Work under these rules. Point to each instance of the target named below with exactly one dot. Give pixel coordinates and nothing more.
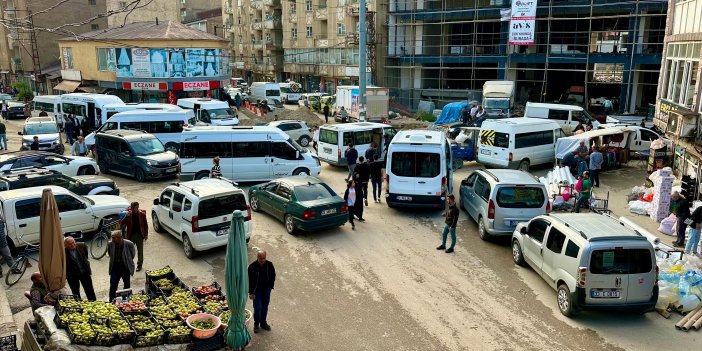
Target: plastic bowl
(203, 333)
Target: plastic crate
(59, 319)
(142, 340)
(79, 340)
(178, 339)
(64, 309)
(103, 338)
(214, 343)
(177, 283)
(170, 275)
(8, 343)
(123, 337)
(167, 313)
(217, 291)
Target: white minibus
(418, 169)
(210, 111)
(245, 153)
(87, 106)
(51, 104)
(567, 116)
(265, 91)
(334, 138)
(290, 92)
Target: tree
(24, 91)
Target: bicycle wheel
(16, 271)
(98, 246)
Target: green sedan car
(301, 202)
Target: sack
(667, 225)
(579, 185)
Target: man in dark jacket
(682, 213)
(121, 266)
(362, 177)
(78, 268)
(351, 158)
(451, 222)
(261, 282)
(137, 230)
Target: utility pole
(362, 61)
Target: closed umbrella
(236, 284)
(52, 260)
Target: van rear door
(428, 168)
(616, 272)
(494, 148)
(402, 171)
(518, 203)
(328, 148)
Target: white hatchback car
(296, 130)
(199, 213)
(68, 165)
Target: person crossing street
(450, 224)
(261, 283)
(137, 230)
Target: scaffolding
(445, 50)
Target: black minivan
(135, 154)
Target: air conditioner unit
(682, 124)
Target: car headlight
(150, 163)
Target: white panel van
(210, 111)
(568, 116)
(88, 107)
(418, 169)
(246, 153)
(51, 104)
(265, 91)
(334, 138)
(517, 143)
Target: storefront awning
(67, 86)
(93, 89)
(53, 75)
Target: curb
(7, 322)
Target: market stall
(613, 142)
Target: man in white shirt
(315, 138)
(473, 111)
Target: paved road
(385, 287)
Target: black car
(81, 185)
(15, 111)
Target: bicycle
(22, 261)
(98, 245)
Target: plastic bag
(579, 185)
(688, 303)
(667, 225)
(566, 194)
(647, 197)
(639, 207)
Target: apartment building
(164, 10)
(679, 103)
(441, 50)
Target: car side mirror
(85, 206)
(524, 231)
(156, 202)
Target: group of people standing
(474, 113)
(680, 206)
(362, 170)
(587, 164)
(74, 127)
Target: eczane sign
(193, 86)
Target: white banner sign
(523, 23)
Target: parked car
(296, 130)
(135, 154)
(199, 212)
(68, 165)
(593, 261)
(301, 202)
(15, 110)
(46, 130)
(327, 101)
(497, 200)
(20, 209)
(82, 185)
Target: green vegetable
(205, 324)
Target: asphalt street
(385, 287)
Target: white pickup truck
(20, 210)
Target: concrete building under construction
(440, 50)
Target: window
(165, 200)
(412, 164)
(92, 2)
(293, 33)
(560, 115)
(271, 187)
(555, 240)
(177, 201)
(362, 137)
(206, 150)
(498, 139)
(187, 205)
(78, 110)
(67, 62)
(482, 188)
(221, 205)
(309, 32)
(94, 26)
(284, 151)
(33, 161)
(122, 4)
(312, 192)
(67, 203)
(648, 135)
(284, 191)
(27, 208)
(340, 29)
(623, 261)
(308, 5)
(106, 59)
(572, 249)
(520, 197)
(328, 136)
(523, 140)
(293, 8)
(250, 149)
(537, 229)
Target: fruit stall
(166, 315)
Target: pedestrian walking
(465, 114)
(358, 204)
(27, 112)
(607, 105)
(596, 161)
(5, 109)
(78, 268)
(137, 230)
(370, 152)
(681, 209)
(216, 170)
(584, 192)
(35, 143)
(326, 113)
(68, 126)
(5, 254)
(79, 148)
(306, 102)
(450, 224)
(78, 127)
(261, 282)
(3, 136)
(237, 100)
(121, 252)
(694, 238)
(377, 168)
(344, 114)
(362, 177)
(351, 155)
(350, 198)
(315, 138)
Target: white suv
(296, 130)
(199, 213)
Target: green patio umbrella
(236, 284)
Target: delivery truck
(498, 97)
(377, 103)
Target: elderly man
(137, 230)
(78, 268)
(121, 252)
(681, 210)
(261, 282)
(38, 292)
(79, 148)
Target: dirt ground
(300, 114)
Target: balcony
(352, 10)
(228, 10)
(320, 14)
(273, 24)
(258, 46)
(257, 25)
(274, 45)
(257, 4)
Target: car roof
(431, 137)
(520, 121)
(16, 154)
(33, 191)
(39, 120)
(512, 176)
(243, 129)
(356, 125)
(126, 134)
(206, 187)
(25, 172)
(299, 180)
(597, 227)
(555, 106)
(275, 123)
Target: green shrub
(425, 116)
(24, 91)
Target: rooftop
(166, 30)
(512, 176)
(593, 225)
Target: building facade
(441, 50)
(679, 102)
(145, 62)
(164, 10)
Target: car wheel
(565, 300)
(188, 247)
(202, 175)
(87, 170)
(524, 165)
(139, 175)
(481, 229)
(290, 225)
(304, 141)
(103, 167)
(516, 253)
(301, 171)
(60, 150)
(254, 204)
(157, 224)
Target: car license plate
(404, 198)
(329, 211)
(172, 170)
(605, 293)
(511, 223)
(327, 150)
(223, 231)
(485, 152)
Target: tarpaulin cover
(451, 112)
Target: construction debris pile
(680, 288)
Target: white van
(265, 91)
(517, 142)
(112, 109)
(418, 169)
(245, 153)
(568, 116)
(87, 106)
(51, 104)
(166, 125)
(210, 111)
(290, 92)
(334, 138)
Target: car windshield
(416, 164)
(311, 192)
(149, 146)
(220, 113)
(496, 104)
(520, 197)
(297, 146)
(621, 261)
(221, 205)
(40, 128)
(273, 92)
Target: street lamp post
(362, 61)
